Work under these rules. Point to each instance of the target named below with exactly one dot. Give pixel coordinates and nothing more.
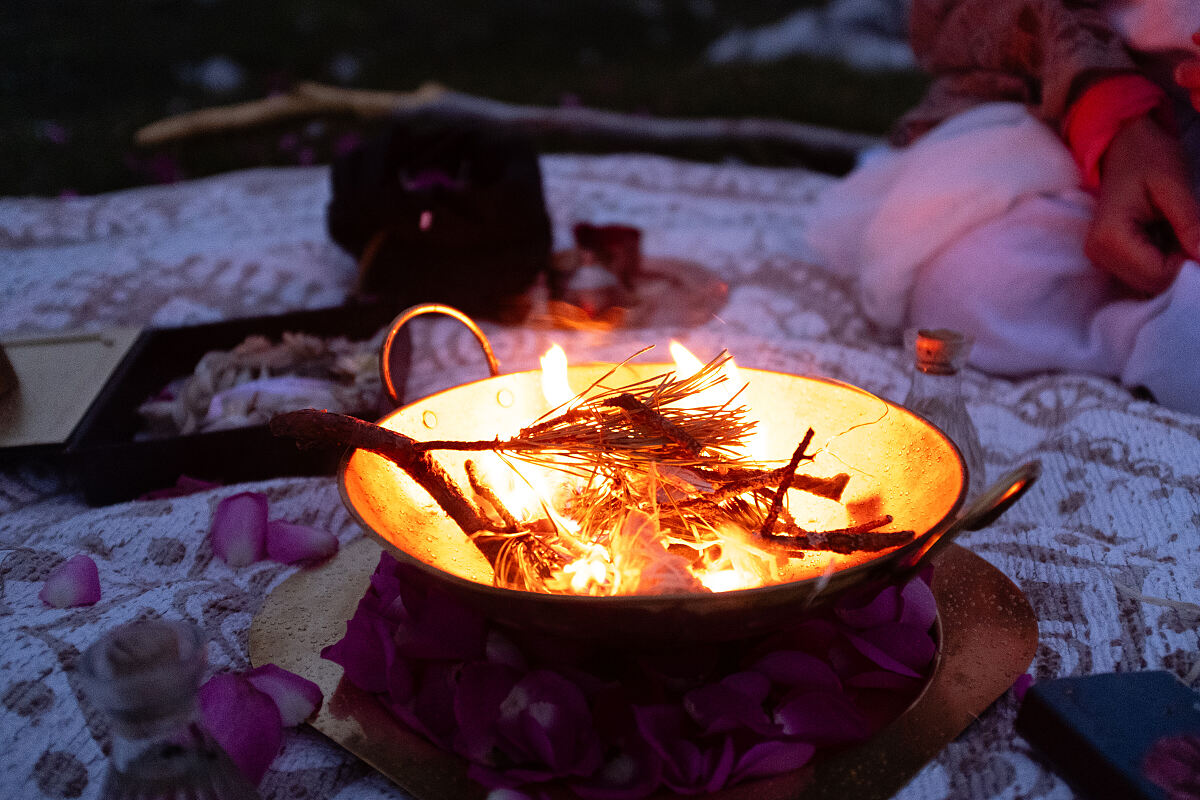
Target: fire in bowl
(898, 464)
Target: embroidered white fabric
(1115, 517)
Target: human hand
(1147, 221)
(1187, 74)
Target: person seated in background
(1042, 198)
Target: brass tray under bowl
(989, 635)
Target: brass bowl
(899, 463)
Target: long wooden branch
(308, 98)
(325, 427)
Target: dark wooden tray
(111, 465)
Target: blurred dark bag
(444, 212)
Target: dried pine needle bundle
(654, 492)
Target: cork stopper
(938, 351)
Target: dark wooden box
(111, 465)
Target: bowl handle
(980, 512)
(396, 395)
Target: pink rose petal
(545, 722)
(482, 687)
(431, 710)
(880, 656)
(244, 721)
(735, 702)
(688, 768)
(793, 668)
(920, 606)
(365, 652)
(239, 529)
(1021, 686)
(867, 611)
(509, 794)
(437, 626)
(821, 718)
(771, 758)
(297, 698)
(74, 582)
(1173, 764)
(911, 646)
(719, 765)
(630, 773)
(289, 542)
(499, 649)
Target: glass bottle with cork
(936, 393)
(145, 677)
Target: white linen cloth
(979, 226)
(1106, 545)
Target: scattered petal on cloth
(1021, 686)
(297, 698)
(244, 721)
(239, 529)
(291, 542)
(1173, 764)
(74, 582)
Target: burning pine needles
(656, 492)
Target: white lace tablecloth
(1106, 545)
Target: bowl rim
(853, 576)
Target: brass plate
(989, 635)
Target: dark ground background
(79, 77)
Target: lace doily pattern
(1106, 545)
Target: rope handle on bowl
(385, 353)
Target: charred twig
(654, 422)
(325, 427)
(788, 476)
(853, 539)
(489, 494)
(747, 480)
